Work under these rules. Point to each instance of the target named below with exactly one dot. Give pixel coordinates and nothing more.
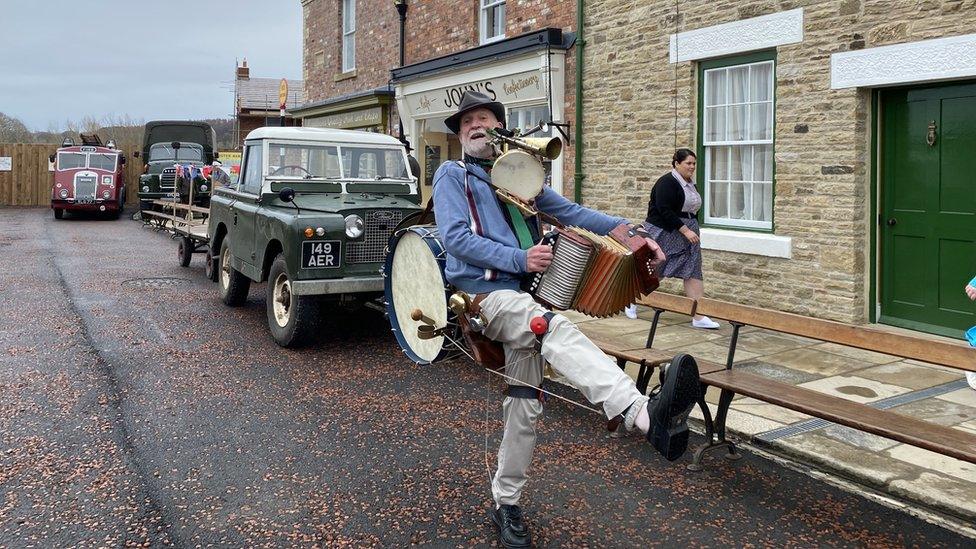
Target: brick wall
(822, 148)
(377, 47)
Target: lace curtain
(738, 140)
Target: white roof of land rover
(322, 134)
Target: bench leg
(714, 432)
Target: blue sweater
(483, 253)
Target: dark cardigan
(667, 200)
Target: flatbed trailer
(186, 223)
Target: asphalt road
(136, 409)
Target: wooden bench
(648, 359)
(930, 436)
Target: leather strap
(522, 391)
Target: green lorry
(311, 214)
(174, 154)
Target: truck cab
(311, 214)
(174, 153)
(88, 177)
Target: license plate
(87, 200)
(320, 254)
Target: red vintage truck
(88, 177)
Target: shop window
(348, 35)
(492, 20)
(526, 118)
(735, 163)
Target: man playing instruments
(490, 247)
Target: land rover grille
(85, 187)
(167, 179)
(379, 227)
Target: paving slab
(935, 410)
(937, 462)
(906, 374)
(938, 491)
(855, 388)
(814, 361)
(858, 438)
(965, 396)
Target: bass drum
(414, 279)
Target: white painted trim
(922, 61)
(757, 33)
(744, 242)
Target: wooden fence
(28, 183)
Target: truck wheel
(212, 269)
(233, 285)
(185, 251)
(291, 318)
(58, 213)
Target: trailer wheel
(233, 285)
(58, 213)
(292, 318)
(212, 269)
(185, 251)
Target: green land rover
(166, 144)
(310, 214)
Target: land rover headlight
(203, 188)
(106, 194)
(354, 226)
(145, 188)
(63, 193)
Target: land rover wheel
(58, 213)
(291, 318)
(185, 251)
(233, 285)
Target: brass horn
(547, 147)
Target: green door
(928, 207)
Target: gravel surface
(136, 409)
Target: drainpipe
(578, 156)
(401, 7)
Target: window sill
(747, 242)
(345, 76)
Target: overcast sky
(149, 59)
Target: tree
(13, 130)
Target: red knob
(539, 325)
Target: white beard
(479, 150)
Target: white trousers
(571, 355)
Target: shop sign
(516, 87)
(351, 119)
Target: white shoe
(971, 378)
(631, 311)
(705, 323)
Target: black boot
(512, 531)
(669, 407)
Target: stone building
(514, 50)
(256, 102)
(836, 145)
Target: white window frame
(487, 7)
(706, 145)
(348, 35)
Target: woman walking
(672, 222)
